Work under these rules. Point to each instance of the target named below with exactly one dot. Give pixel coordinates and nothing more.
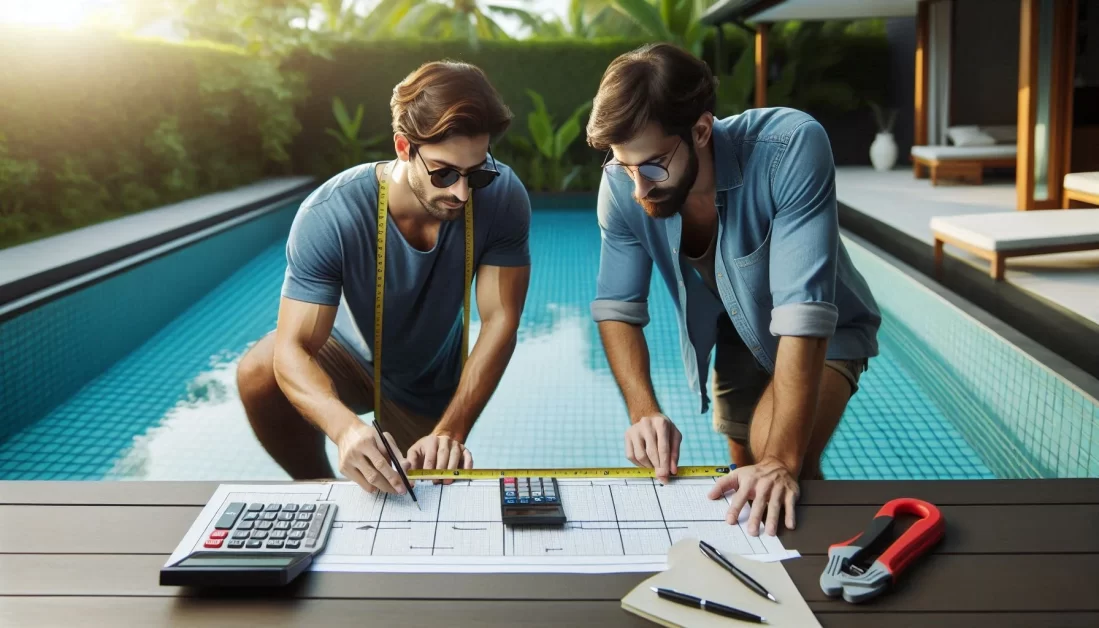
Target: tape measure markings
(379, 284)
(584, 473)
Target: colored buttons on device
(214, 543)
(219, 534)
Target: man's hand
(770, 485)
(654, 442)
(439, 451)
(363, 459)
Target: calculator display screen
(239, 561)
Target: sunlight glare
(50, 13)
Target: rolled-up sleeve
(625, 267)
(805, 236)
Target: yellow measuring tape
(579, 473)
(379, 284)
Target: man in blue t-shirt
(314, 374)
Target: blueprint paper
(614, 525)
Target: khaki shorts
(355, 388)
(739, 381)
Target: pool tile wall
(1021, 417)
(47, 354)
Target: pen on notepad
(687, 599)
(397, 463)
(714, 555)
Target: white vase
(883, 152)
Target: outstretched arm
(501, 294)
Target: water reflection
(551, 408)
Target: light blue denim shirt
(781, 268)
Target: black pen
(712, 607)
(396, 463)
(716, 556)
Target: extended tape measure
(379, 283)
(580, 473)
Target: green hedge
(95, 126)
(835, 67)
(565, 73)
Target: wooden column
(761, 64)
(1064, 66)
(923, 33)
(1027, 97)
(1059, 126)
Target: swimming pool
(935, 404)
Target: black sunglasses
(447, 176)
(652, 171)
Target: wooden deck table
(1016, 553)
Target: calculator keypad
(529, 491)
(268, 526)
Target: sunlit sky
(75, 13)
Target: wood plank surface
(94, 529)
(1016, 553)
(813, 492)
(830, 492)
(111, 612)
(970, 529)
(966, 584)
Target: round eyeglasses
(651, 171)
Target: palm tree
(454, 19)
(675, 21)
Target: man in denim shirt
(739, 217)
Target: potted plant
(883, 151)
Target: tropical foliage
(96, 126)
(548, 145)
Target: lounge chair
(999, 235)
(1082, 187)
(973, 149)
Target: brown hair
(442, 99)
(659, 83)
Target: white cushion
(1003, 134)
(969, 136)
(1006, 231)
(998, 151)
(1086, 182)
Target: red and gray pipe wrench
(841, 575)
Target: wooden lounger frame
(997, 258)
(965, 168)
(1082, 197)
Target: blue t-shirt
(331, 257)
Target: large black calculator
(255, 544)
(531, 501)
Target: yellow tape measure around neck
(379, 283)
(573, 473)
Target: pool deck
(896, 198)
(43, 264)
(1016, 553)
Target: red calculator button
(219, 534)
(215, 543)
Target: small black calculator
(531, 501)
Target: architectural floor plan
(614, 525)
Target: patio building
(1004, 118)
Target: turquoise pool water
(168, 409)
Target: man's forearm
(311, 391)
(483, 370)
(628, 355)
(795, 388)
